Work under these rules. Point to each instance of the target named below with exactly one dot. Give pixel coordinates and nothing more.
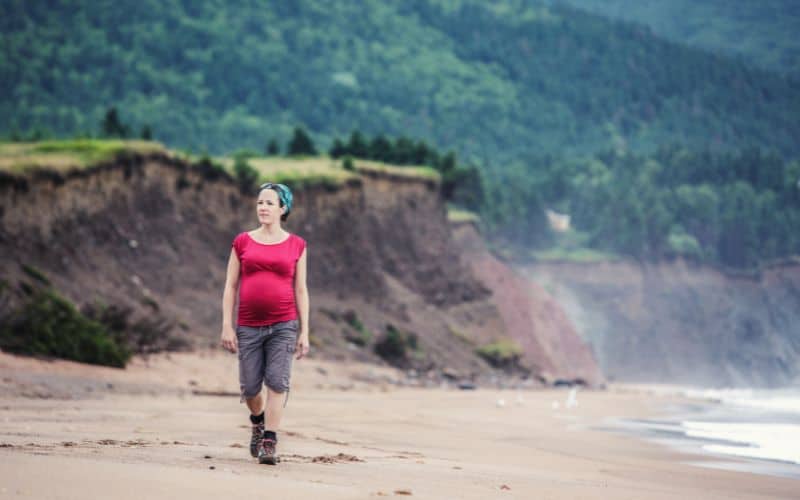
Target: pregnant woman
(267, 267)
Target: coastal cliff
(532, 317)
(683, 323)
(152, 233)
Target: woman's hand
(228, 338)
(302, 345)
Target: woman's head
(274, 200)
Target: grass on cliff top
(19, 158)
(574, 255)
(461, 215)
(418, 172)
(314, 170)
(573, 246)
(61, 155)
(301, 171)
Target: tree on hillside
(147, 133)
(357, 146)
(112, 126)
(469, 188)
(337, 149)
(403, 151)
(273, 148)
(423, 155)
(300, 144)
(380, 149)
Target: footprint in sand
(323, 459)
(331, 441)
(332, 459)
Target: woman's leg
(251, 368)
(256, 404)
(274, 409)
(279, 350)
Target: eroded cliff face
(154, 234)
(531, 317)
(681, 323)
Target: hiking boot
(266, 452)
(255, 439)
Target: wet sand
(155, 431)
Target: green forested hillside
(737, 210)
(493, 81)
(703, 147)
(764, 32)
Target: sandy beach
(173, 427)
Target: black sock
(257, 419)
(271, 435)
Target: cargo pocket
(287, 370)
(290, 348)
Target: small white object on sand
(501, 403)
(571, 398)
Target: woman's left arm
(301, 299)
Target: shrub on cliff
(395, 346)
(363, 335)
(49, 325)
(501, 353)
(347, 163)
(145, 335)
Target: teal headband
(284, 193)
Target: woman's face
(268, 207)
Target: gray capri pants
(265, 356)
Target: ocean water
(754, 430)
(754, 423)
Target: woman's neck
(270, 230)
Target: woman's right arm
(228, 336)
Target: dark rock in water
(467, 386)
